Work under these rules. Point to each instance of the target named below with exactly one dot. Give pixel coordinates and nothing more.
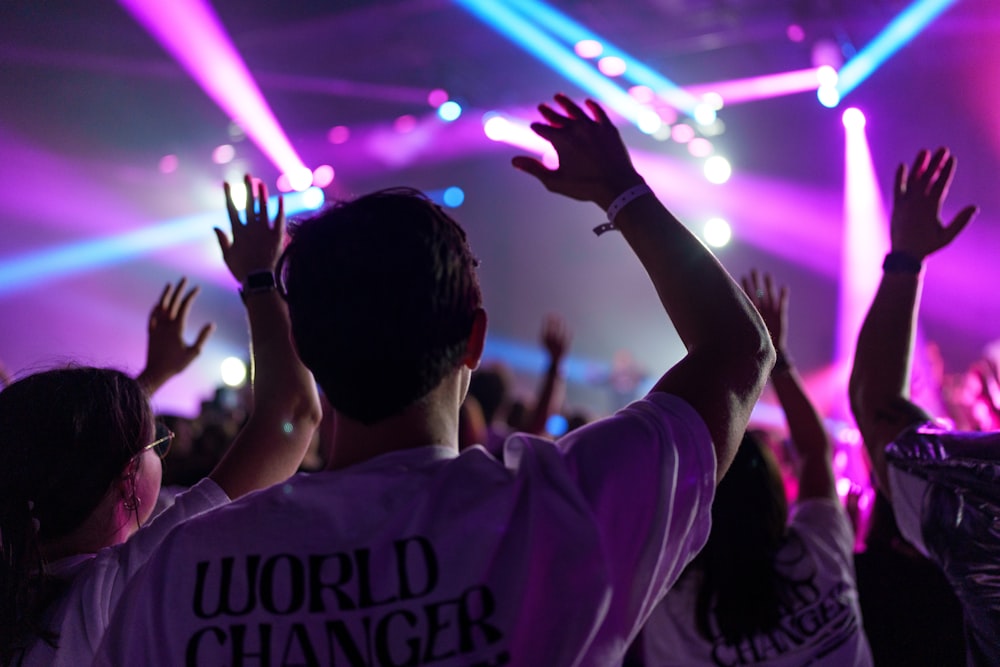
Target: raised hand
(256, 244)
(555, 337)
(166, 353)
(594, 164)
(916, 228)
(771, 304)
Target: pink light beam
(755, 88)
(865, 242)
(191, 32)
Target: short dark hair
(382, 292)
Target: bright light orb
(795, 32)
(704, 114)
(223, 154)
(611, 66)
(300, 179)
(556, 425)
(238, 192)
(233, 371)
(827, 76)
(663, 134)
(495, 127)
(717, 232)
(450, 111)
(713, 100)
(853, 118)
(453, 197)
(717, 169)
(338, 134)
(648, 121)
(283, 184)
(312, 199)
(588, 48)
(437, 97)
(828, 96)
(323, 175)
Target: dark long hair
(741, 587)
(65, 436)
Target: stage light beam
(191, 32)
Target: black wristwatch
(257, 282)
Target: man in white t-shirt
(405, 551)
(943, 485)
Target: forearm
(704, 303)
(285, 410)
(808, 435)
(880, 379)
(729, 352)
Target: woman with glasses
(80, 459)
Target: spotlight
(717, 169)
(828, 96)
(700, 147)
(311, 199)
(642, 94)
(453, 197)
(682, 133)
(853, 119)
(223, 154)
(405, 123)
(450, 111)
(648, 121)
(233, 371)
(239, 194)
(588, 48)
(323, 176)
(437, 97)
(704, 114)
(826, 76)
(300, 179)
(717, 232)
(338, 134)
(611, 66)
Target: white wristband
(620, 202)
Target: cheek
(148, 484)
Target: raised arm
(555, 340)
(166, 352)
(880, 379)
(805, 426)
(729, 354)
(285, 410)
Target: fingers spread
(598, 111)
(960, 221)
(571, 107)
(203, 335)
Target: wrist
(620, 202)
(258, 282)
(782, 363)
(899, 261)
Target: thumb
(203, 335)
(959, 222)
(532, 166)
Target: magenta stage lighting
(191, 32)
(761, 87)
(865, 242)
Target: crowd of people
(383, 499)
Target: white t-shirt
(83, 613)
(823, 628)
(946, 500)
(430, 556)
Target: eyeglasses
(164, 438)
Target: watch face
(260, 280)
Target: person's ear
(476, 342)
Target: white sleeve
(648, 474)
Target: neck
(431, 420)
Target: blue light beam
(541, 45)
(893, 37)
(636, 71)
(44, 265)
